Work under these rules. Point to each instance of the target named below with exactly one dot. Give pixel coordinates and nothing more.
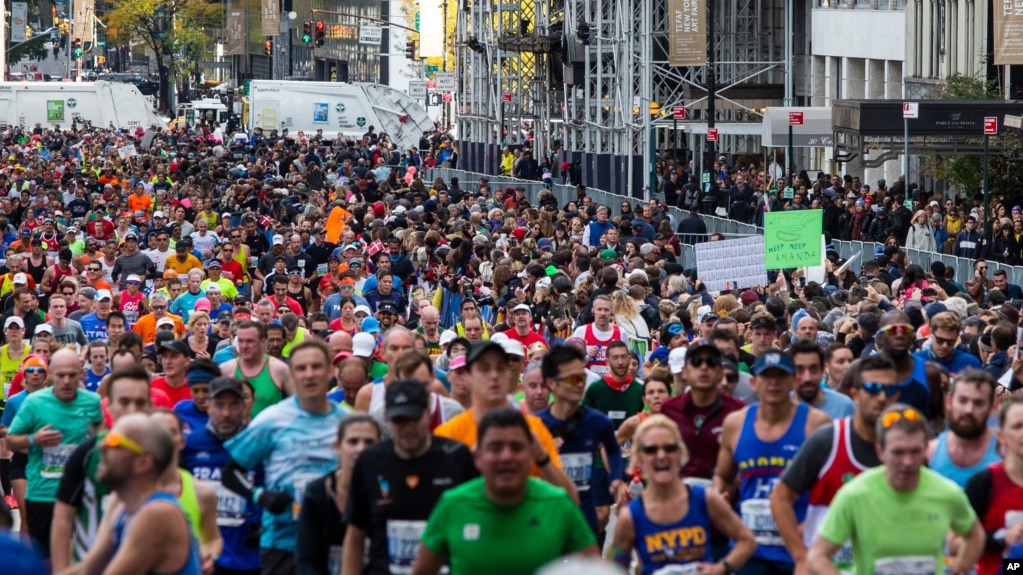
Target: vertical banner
(85, 11)
(1008, 23)
(271, 17)
(19, 21)
(235, 32)
(431, 29)
(687, 33)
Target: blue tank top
(915, 391)
(685, 541)
(204, 457)
(92, 380)
(192, 565)
(761, 465)
(942, 463)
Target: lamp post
(655, 110)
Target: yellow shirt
(182, 268)
(462, 427)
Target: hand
(916, 294)
(1014, 534)
(620, 492)
(591, 350)
(872, 294)
(47, 437)
(710, 569)
(275, 502)
(208, 565)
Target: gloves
(274, 501)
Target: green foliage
(32, 51)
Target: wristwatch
(543, 462)
(728, 568)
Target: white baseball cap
(677, 360)
(14, 320)
(20, 278)
(104, 294)
(522, 307)
(278, 240)
(44, 328)
(363, 344)
(165, 321)
(447, 336)
(362, 309)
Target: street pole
(674, 139)
(711, 79)
(791, 160)
(986, 139)
(905, 151)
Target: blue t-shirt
(184, 304)
(295, 447)
(20, 557)
(92, 380)
(836, 405)
(94, 327)
(959, 361)
(11, 407)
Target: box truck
(340, 110)
(100, 104)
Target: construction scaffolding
(591, 79)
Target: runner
(175, 355)
(920, 381)
(757, 443)
(599, 335)
(670, 522)
(968, 445)
(945, 329)
(896, 516)
(269, 377)
(504, 522)
(396, 484)
(49, 425)
(35, 369)
(809, 360)
(831, 456)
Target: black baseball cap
(175, 346)
(388, 306)
(481, 347)
(406, 398)
(703, 345)
(222, 384)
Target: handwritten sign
(126, 152)
(731, 264)
(792, 239)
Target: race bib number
(253, 262)
(183, 278)
(54, 460)
(131, 318)
(918, 565)
(334, 559)
(698, 482)
(844, 557)
(579, 468)
(757, 517)
(322, 269)
(231, 507)
(7, 390)
(687, 569)
(298, 491)
(616, 415)
(402, 543)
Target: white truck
(346, 110)
(49, 104)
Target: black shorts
(601, 488)
(18, 464)
(40, 516)
(276, 562)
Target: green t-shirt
(617, 405)
(72, 418)
(885, 524)
(377, 370)
(478, 536)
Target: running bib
(698, 482)
(918, 565)
(321, 269)
(130, 318)
(231, 507)
(402, 543)
(54, 460)
(616, 415)
(334, 560)
(687, 569)
(183, 278)
(579, 468)
(298, 484)
(844, 556)
(757, 517)
(253, 262)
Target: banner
(84, 13)
(1008, 22)
(792, 239)
(731, 264)
(271, 17)
(235, 33)
(687, 33)
(19, 21)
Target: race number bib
(54, 460)
(321, 269)
(183, 278)
(757, 517)
(402, 543)
(687, 569)
(844, 557)
(254, 262)
(579, 468)
(698, 482)
(298, 491)
(334, 560)
(231, 507)
(918, 565)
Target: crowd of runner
(265, 353)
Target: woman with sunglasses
(670, 522)
(33, 372)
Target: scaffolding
(593, 76)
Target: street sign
(432, 68)
(417, 89)
(1013, 121)
(991, 126)
(370, 35)
(506, 97)
(795, 118)
(678, 113)
(712, 134)
(448, 97)
(431, 84)
(910, 110)
(446, 81)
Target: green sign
(706, 178)
(417, 20)
(788, 193)
(908, 204)
(360, 122)
(792, 239)
(430, 69)
(55, 110)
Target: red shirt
(526, 340)
(701, 430)
(101, 229)
(290, 302)
(233, 271)
(175, 394)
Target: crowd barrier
(963, 266)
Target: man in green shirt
(505, 522)
(896, 516)
(49, 426)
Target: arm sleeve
(72, 482)
(249, 447)
(24, 421)
(802, 473)
(978, 491)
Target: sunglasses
(577, 379)
(668, 448)
(158, 307)
(891, 418)
(700, 361)
(874, 388)
(895, 330)
(95, 269)
(115, 440)
(35, 370)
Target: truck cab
(208, 109)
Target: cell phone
(802, 282)
(863, 281)
(930, 292)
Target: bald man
(429, 325)
(806, 329)
(339, 341)
(150, 533)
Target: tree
(173, 30)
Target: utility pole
(711, 80)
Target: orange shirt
(137, 203)
(146, 327)
(100, 284)
(462, 427)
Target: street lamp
(655, 111)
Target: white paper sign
(126, 152)
(731, 264)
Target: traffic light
(321, 32)
(307, 32)
(77, 45)
(410, 49)
(268, 47)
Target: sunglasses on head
(668, 448)
(115, 440)
(874, 388)
(892, 417)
